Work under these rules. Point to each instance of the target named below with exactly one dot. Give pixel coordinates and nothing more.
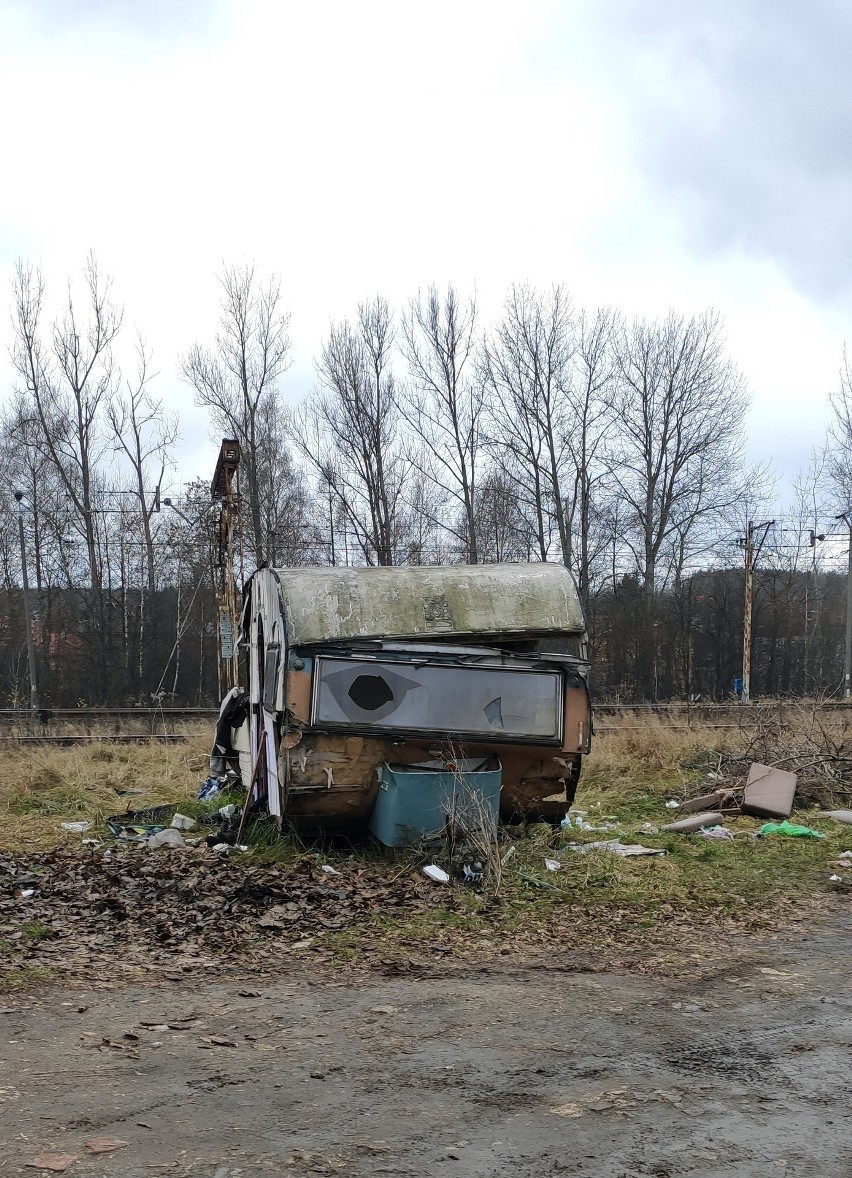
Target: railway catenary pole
(752, 552)
(846, 516)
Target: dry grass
(42, 786)
(624, 910)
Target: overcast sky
(648, 154)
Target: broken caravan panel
(351, 669)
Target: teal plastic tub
(414, 801)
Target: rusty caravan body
(354, 670)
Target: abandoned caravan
(373, 693)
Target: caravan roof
(327, 604)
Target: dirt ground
(740, 1069)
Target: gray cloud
(741, 117)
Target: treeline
(553, 433)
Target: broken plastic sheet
(790, 830)
(616, 847)
(137, 826)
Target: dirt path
(742, 1071)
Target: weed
(25, 977)
(34, 930)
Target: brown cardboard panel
(705, 802)
(769, 792)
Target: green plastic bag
(790, 830)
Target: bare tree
(144, 433)
(445, 403)
(681, 407)
(352, 434)
(66, 383)
(504, 531)
(838, 451)
(591, 411)
(526, 367)
(238, 381)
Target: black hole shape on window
(370, 692)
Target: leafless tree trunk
(352, 436)
(445, 403)
(67, 383)
(838, 452)
(681, 407)
(238, 380)
(145, 434)
(526, 366)
(588, 429)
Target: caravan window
(495, 703)
(270, 675)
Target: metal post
(34, 705)
(747, 608)
(752, 551)
(847, 661)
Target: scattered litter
(672, 804)
(329, 870)
(226, 848)
(24, 893)
(575, 822)
(695, 822)
(182, 822)
(769, 792)
(436, 873)
(845, 855)
(838, 816)
(508, 855)
(91, 843)
(472, 873)
(57, 1162)
(137, 826)
(227, 812)
(790, 830)
(169, 837)
(77, 827)
(716, 832)
(552, 864)
(616, 847)
(211, 787)
(836, 878)
(705, 802)
(103, 1144)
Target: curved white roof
(325, 604)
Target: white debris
(182, 822)
(436, 873)
(166, 838)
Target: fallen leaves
(121, 906)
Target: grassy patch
(594, 903)
(25, 978)
(43, 786)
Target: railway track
(168, 724)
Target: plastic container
(413, 802)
